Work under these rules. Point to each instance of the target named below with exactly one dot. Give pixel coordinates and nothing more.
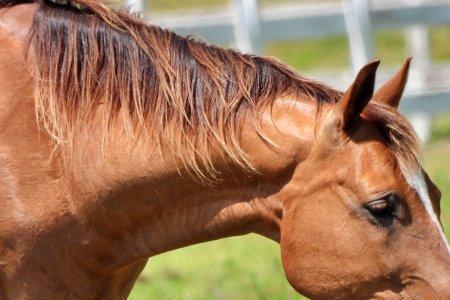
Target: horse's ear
(358, 95)
(391, 92)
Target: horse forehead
(371, 160)
(370, 149)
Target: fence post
(135, 6)
(357, 22)
(417, 43)
(246, 26)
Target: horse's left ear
(391, 92)
(358, 95)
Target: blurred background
(326, 40)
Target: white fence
(248, 27)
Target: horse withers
(120, 141)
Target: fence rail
(248, 27)
(299, 21)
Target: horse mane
(177, 91)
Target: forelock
(398, 133)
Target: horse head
(361, 217)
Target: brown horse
(145, 142)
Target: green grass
(436, 160)
(440, 127)
(390, 47)
(312, 54)
(440, 43)
(235, 268)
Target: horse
(121, 140)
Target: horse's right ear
(391, 92)
(358, 95)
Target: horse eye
(384, 207)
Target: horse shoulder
(21, 149)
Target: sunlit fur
(176, 91)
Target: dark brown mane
(157, 83)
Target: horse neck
(116, 207)
(119, 204)
(150, 200)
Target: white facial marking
(417, 182)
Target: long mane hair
(170, 89)
(160, 84)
